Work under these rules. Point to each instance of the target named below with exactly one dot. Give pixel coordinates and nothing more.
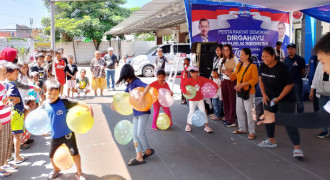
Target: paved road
(181, 155)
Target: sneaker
(53, 174)
(298, 153)
(323, 135)
(224, 121)
(207, 129)
(188, 128)
(229, 124)
(267, 143)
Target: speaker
(207, 54)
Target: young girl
(160, 83)
(29, 105)
(217, 99)
(196, 81)
(59, 68)
(35, 80)
(140, 119)
(24, 79)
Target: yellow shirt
(250, 76)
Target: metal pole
(52, 31)
(290, 26)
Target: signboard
(42, 45)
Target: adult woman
(278, 96)
(228, 87)
(246, 74)
(217, 58)
(307, 120)
(98, 72)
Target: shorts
(17, 122)
(99, 83)
(61, 80)
(69, 140)
(71, 83)
(81, 90)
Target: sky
(14, 12)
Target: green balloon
(192, 91)
(123, 132)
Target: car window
(166, 49)
(181, 49)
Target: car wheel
(148, 71)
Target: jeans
(299, 97)
(218, 107)
(322, 101)
(140, 140)
(110, 72)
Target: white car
(144, 64)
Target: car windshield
(151, 50)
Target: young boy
(71, 72)
(217, 99)
(41, 71)
(32, 92)
(17, 113)
(82, 83)
(29, 105)
(49, 63)
(57, 109)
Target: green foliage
(145, 37)
(90, 19)
(22, 53)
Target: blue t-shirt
(134, 84)
(57, 112)
(13, 91)
(295, 65)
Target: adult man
(279, 51)
(204, 27)
(296, 65)
(160, 60)
(112, 64)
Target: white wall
(85, 50)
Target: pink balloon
(164, 97)
(208, 90)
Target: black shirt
(42, 74)
(295, 65)
(111, 60)
(71, 69)
(160, 61)
(274, 80)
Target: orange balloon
(62, 158)
(134, 97)
(154, 94)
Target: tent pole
(290, 26)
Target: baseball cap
(193, 69)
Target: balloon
(134, 101)
(154, 94)
(79, 119)
(37, 122)
(62, 158)
(121, 103)
(198, 118)
(208, 90)
(123, 132)
(164, 97)
(163, 121)
(192, 91)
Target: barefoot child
(82, 83)
(140, 118)
(61, 134)
(160, 83)
(197, 82)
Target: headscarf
(8, 54)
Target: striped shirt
(5, 109)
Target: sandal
(134, 162)
(53, 174)
(20, 161)
(4, 174)
(239, 132)
(9, 166)
(146, 155)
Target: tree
(90, 19)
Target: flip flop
(134, 162)
(4, 174)
(145, 156)
(9, 166)
(21, 161)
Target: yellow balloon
(62, 158)
(121, 103)
(79, 119)
(163, 121)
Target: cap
(193, 69)
(110, 49)
(291, 45)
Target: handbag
(244, 94)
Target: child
(59, 68)
(24, 79)
(6, 136)
(29, 105)
(196, 81)
(17, 113)
(82, 83)
(71, 72)
(32, 92)
(61, 134)
(160, 83)
(41, 72)
(49, 62)
(140, 119)
(184, 75)
(217, 99)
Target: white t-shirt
(218, 82)
(224, 68)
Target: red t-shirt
(5, 110)
(60, 72)
(156, 85)
(197, 83)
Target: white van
(145, 64)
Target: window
(181, 49)
(166, 49)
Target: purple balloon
(208, 90)
(164, 97)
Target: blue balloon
(198, 118)
(37, 122)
